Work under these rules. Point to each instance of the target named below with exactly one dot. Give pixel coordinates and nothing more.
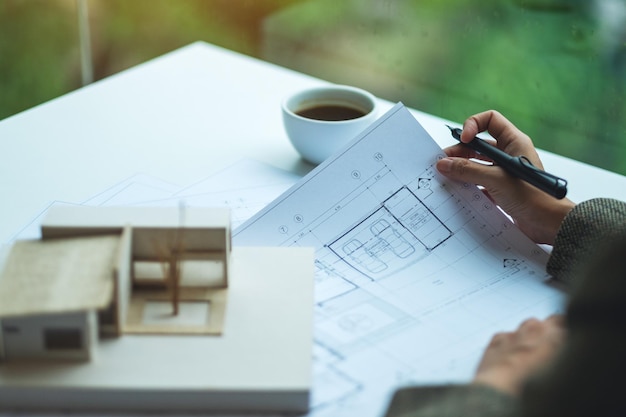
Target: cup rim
(336, 87)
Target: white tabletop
(182, 117)
(179, 117)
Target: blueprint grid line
(414, 273)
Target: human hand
(535, 212)
(512, 357)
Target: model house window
(108, 315)
(10, 329)
(63, 339)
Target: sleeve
(587, 377)
(588, 225)
(452, 400)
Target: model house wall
(82, 279)
(50, 336)
(51, 292)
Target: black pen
(518, 166)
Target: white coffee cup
(321, 120)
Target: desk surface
(180, 117)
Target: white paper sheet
(414, 273)
(245, 187)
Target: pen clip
(558, 185)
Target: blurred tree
(557, 68)
(39, 46)
(39, 56)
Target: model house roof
(58, 275)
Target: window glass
(556, 68)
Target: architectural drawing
(394, 235)
(413, 273)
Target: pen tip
(455, 132)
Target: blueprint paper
(414, 273)
(137, 187)
(244, 187)
(32, 229)
(244, 175)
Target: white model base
(262, 361)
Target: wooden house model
(151, 309)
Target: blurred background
(556, 68)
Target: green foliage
(556, 68)
(38, 54)
(39, 46)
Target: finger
(556, 328)
(461, 169)
(509, 138)
(461, 151)
(500, 340)
(556, 320)
(530, 327)
(491, 120)
(547, 332)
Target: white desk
(180, 117)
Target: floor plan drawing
(401, 228)
(414, 273)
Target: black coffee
(331, 112)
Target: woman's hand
(512, 357)
(535, 212)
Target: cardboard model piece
(110, 272)
(151, 309)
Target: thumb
(462, 169)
